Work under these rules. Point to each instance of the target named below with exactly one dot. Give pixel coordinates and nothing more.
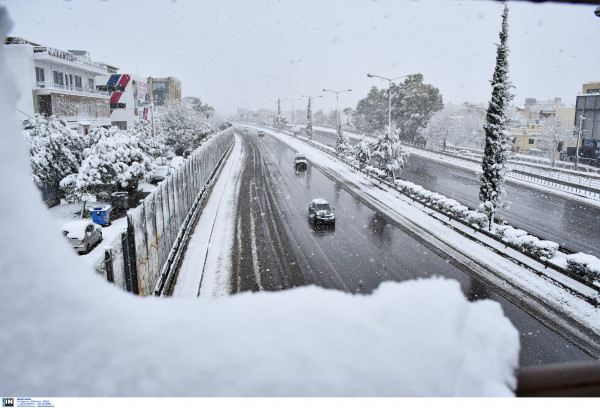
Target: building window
(530, 141)
(39, 74)
(58, 78)
(91, 84)
(78, 82)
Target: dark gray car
(321, 212)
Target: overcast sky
(249, 53)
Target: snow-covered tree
(372, 112)
(183, 128)
(413, 104)
(441, 129)
(279, 121)
(362, 152)
(115, 162)
(309, 123)
(342, 143)
(152, 146)
(497, 137)
(332, 119)
(553, 130)
(471, 133)
(319, 117)
(388, 152)
(55, 150)
(350, 116)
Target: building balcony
(48, 87)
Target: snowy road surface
(550, 216)
(261, 237)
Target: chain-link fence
(136, 259)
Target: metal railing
(573, 379)
(70, 88)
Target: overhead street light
(337, 96)
(389, 96)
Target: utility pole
(581, 119)
(337, 112)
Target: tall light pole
(390, 80)
(581, 119)
(337, 97)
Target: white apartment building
(60, 83)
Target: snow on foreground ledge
(66, 332)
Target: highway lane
(572, 224)
(277, 247)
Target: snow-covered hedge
(529, 243)
(584, 265)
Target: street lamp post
(581, 119)
(390, 80)
(337, 96)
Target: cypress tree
(497, 138)
(309, 127)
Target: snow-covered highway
(262, 240)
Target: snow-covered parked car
(159, 174)
(176, 161)
(319, 211)
(82, 234)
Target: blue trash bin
(101, 215)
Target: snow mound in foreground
(66, 332)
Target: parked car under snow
(82, 234)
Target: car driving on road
(300, 163)
(320, 212)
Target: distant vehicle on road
(159, 174)
(261, 133)
(319, 211)
(300, 162)
(82, 234)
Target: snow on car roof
(319, 201)
(76, 229)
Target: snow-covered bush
(477, 218)
(388, 153)
(528, 243)
(116, 162)
(544, 249)
(374, 171)
(362, 152)
(584, 265)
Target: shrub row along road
(276, 246)
(571, 224)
